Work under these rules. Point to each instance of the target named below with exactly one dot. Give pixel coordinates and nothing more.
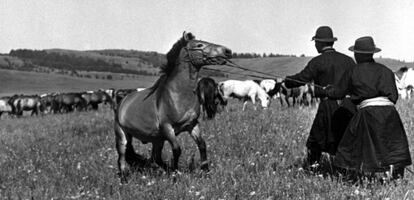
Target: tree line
(258, 55)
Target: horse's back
(138, 112)
(238, 88)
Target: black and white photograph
(200, 100)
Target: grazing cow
(5, 107)
(244, 90)
(209, 96)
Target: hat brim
(324, 39)
(352, 48)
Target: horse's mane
(172, 57)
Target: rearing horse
(169, 107)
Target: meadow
(20, 82)
(73, 156)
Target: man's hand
(327, 87)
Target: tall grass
(72, 156)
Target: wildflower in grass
(151, 183)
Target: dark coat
(325, 69)
(375, 137)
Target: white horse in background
(404, 81)
(272, 87)
(244, 90)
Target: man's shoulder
(338, 56)
(383, 67)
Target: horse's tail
(207, 94)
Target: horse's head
(264, 98)
(201, 53)
(265, 102)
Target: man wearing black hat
(375, 139)
(325, 69)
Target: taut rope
(232, 64)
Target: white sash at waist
(377, 101)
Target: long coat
(375, 137)
(325, 69)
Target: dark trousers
(326, 137)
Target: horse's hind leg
(132, 158)
(201, 144)
(253, 99)
(121, 147)
(168, 132)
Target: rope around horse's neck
(273, 75)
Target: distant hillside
(115, 61)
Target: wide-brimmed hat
(324, 34)
(364, 45)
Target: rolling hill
(115, 61)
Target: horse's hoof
(123, 178)
(204, 166)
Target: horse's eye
(199, 45)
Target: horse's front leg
(168, 132)
(201, 144)
(244, 104)
(156, 154)
(253, 99)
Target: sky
(260, 26)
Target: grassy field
(73, 156)
(18, 82)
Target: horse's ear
(188, 36)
